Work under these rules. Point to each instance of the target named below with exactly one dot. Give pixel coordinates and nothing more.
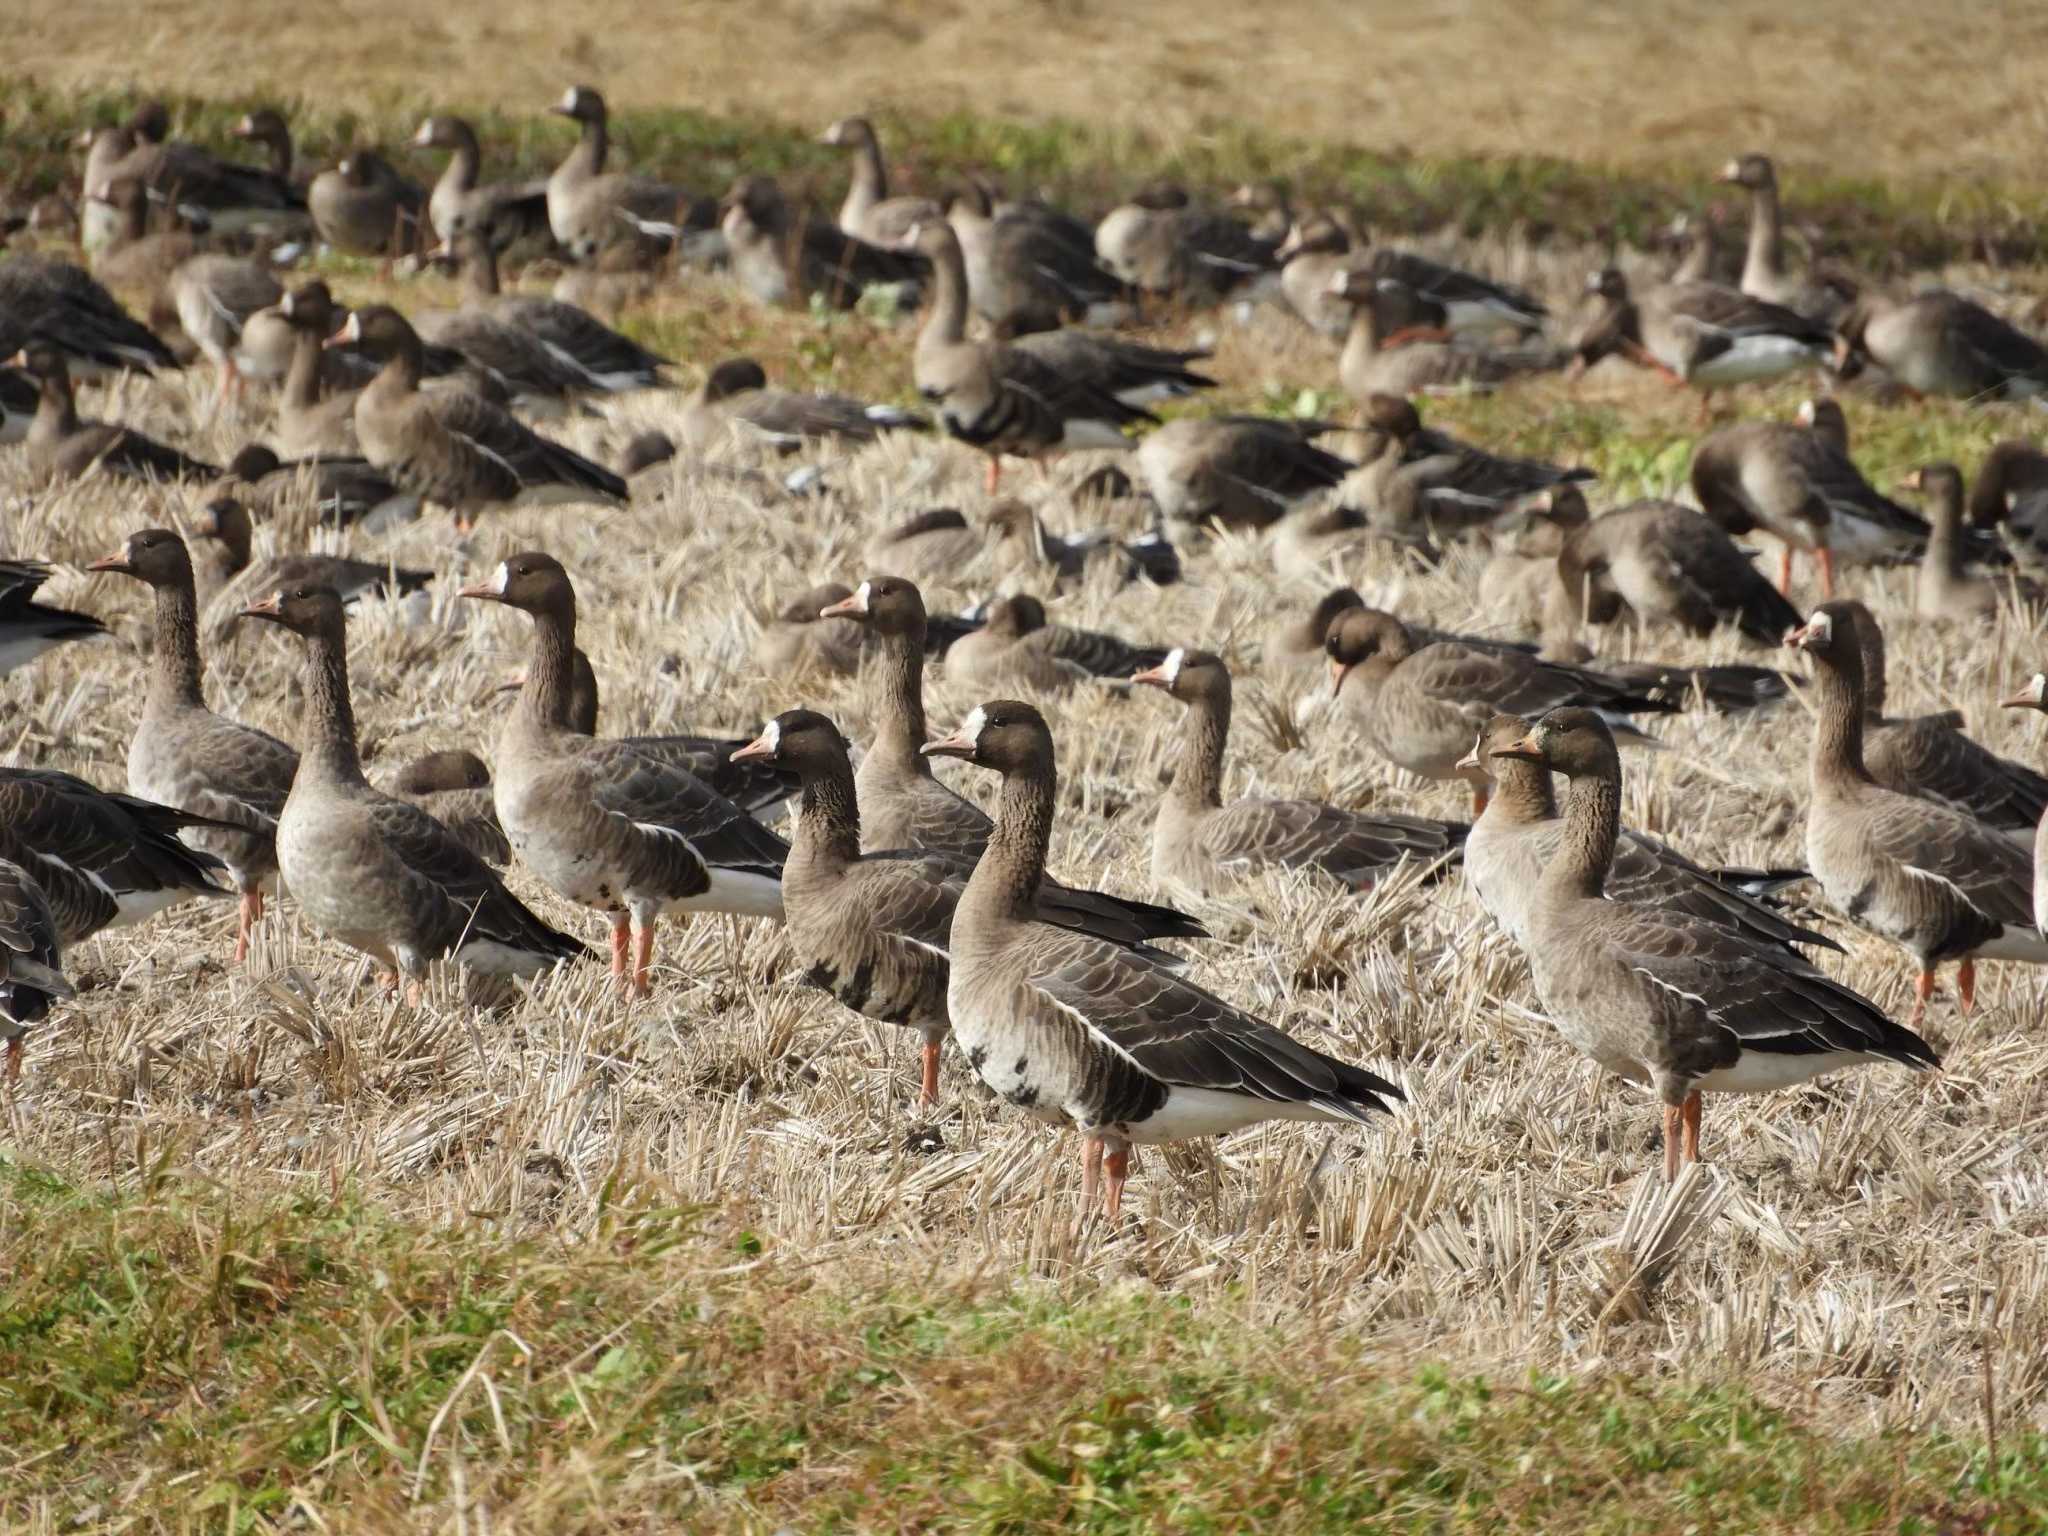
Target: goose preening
(374, 872)
(1933, 879)
(2010, 494)
(186, 756)
(736, 404)
(31, 961)
(1661, 996)
(1315, 257)
(1202, 844)
(1944, 588)
(1701, 334)
(1764, 275)
(28, 628)
(53, 302)
(1514, 840)
(1940, 343)
(605, 825)
(62, 445)
(1078, 1030)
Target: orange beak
(1153, 677)
(759, 750)
(114, 562)
(1523, 751)
(481, 590)
(2021, 700)
(1339, 670)
(955, 745)
(270, 607)
(853, 607)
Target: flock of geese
(904, 900)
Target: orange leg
(643, 956)
(1116, 1167)
(1689, 1123)
(622, 943)
(1923, 989)
(251, 915)
(1091, 1172)
(930, 1092)
(1785, 571)
(995, 474)
(1672, 1114)
(1825, 557)
(1966, 985)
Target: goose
(780, 260)
(266, 128)
(52, 302)
(452, 447)
(609, 361)
(603, 824)
(1017, 646)
(799, 636)
(1075, 1029)
(31, 961)
(235, 579)
(506, 210)
(1452, 300)
(365, 206)
(1701, 334)
(1420, 705)
(1020, 537)
(237, 199)
(1934, 880)
(454, 787)
(134, 261)
(1444, 484)
(1518, 835)
(104, 860)
(2034, 695)
(342, 488)
(1660, 996)
(536, 376)
(215, 296)
(735, 401)
(589, 209)
(1198, 255)
(1374, 310)
(1028, 270)
(1944, 589)
(2010, 494)
(186, 756)
(936, 547)
(62, 445)
(869, 213)
(1236, 471)
(316, 405)
(872, 923)
(18, 399)
(997, 396)
(29, 629)
(374, 872)
(1940, 343)
(1315, 260)
(1202, 845)
(1763, 269)
(1797, 485)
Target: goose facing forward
(1075, 1029)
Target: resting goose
(1315, 260)
(869, 213)
(454, 787)
(799, 636)
(451, 447)
(1028, 270)
(316, 406)
(872, 923)
(1197, 255)
(2010, 494)
(938, 547)
(2034, 695)
(604, 824)
(374, 872)
(1660, 996)
(1375, 310)
(1420, 705)
(186, 756)
(1763, 269)
(31, 961)
(29, 628)
(536, 376)
(589, 209)
(1075, 1029)
(1701, 334)
(1017, 647)
(133, 260)
(1940, 343)
(1443, 484)
(1797, 485)
(341, 488)
(236, 198)
(1934, 880)
(735, 403)
(1519, 834)
(1202, 845)
(1945, 589)
(215, 296)
(52, 302)
(780, 260)
(364, 206)
(1236, 471)
(235, 579)
(610, 362)
(1019, 537)
(62, 445)
(104, 860)
(506, 210)
(1454, 300)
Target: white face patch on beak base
(501, 578)
(1822, 625)
(354, 329)
(862, 595)
(1806, 413)
(771, 735)
(972, 726)
(569, 99)
(1171, 666)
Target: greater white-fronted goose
(104, 860)
(934, 548)
(29, 628)
(62, 445)
(46, 300)
(2034, 695)
(215, 295)
(798, 637)
(1797, 485)
(1944, 587)
(1199, 255)
(235, 580)
(1421, 705)
(873, 923)
(507, 210)
(134, 261)
(1236, 471)
(1519, 834)
(1202, 845)
(1315, 260)
(780, 260)
(1701, 334)
(1296, 636)
(1660, 996)
(1940, 343)
(2010, 494)
(735, 402)
(606, 826)
(266, 128)
(1453, 300)
(1075, 1029)
(452, 447)
(237, 198)
(316, 406)
(1020, 538)
(536, 377)
(31, 960)
(1764, 275)
(869, 213)
(1017, 647)
(365, 207)
(612, 362)
(183, 754)
(374, 872)
(590, 209)
(341, 488)
(1438, 483)
(1028, 269)
(454, 787)
(1932, 879)
(1375, 310)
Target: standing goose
(605, 825)
(1934, 880)
(62, 445)
(29, 628)
(266, 128)
(1018, 645)
(735, 402)
(1661, 996)
(1201, 844)
(1519, 834)
(2034, 695)
(364, 206)
(59, 305)
(1944, 588)
(377, 873)
(454, 787)
(1701, 334)
(186, 756)
(1238, 471)
(781, 260)
(452, 447)
(1027, 271)
(869, 213)
(589, 209)
(1075, 1029)
(1940, 343)
(1763, 269)
(506, 210)
(31, 960)
(104, 860)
